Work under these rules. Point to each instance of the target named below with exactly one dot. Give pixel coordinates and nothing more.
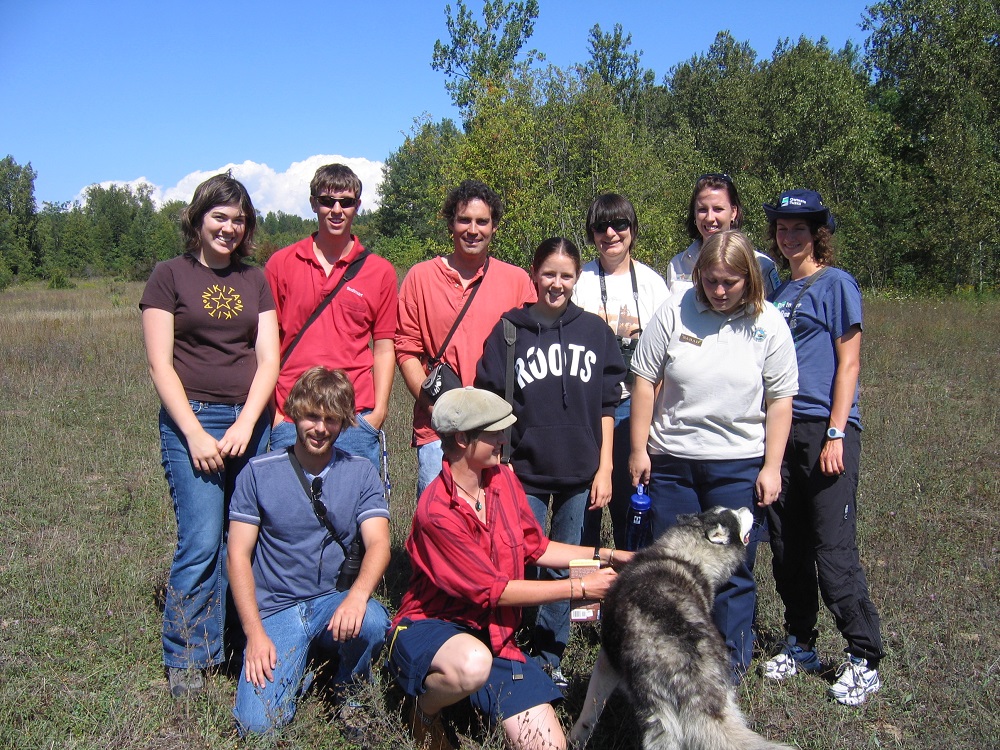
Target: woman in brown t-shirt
(211, 336)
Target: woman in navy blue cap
(813, 523)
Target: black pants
(814, 542)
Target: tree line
(901, 136)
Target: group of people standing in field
(565, 387)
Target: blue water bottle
(638, 534)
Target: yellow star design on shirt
(222, 302)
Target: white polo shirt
(716, 370)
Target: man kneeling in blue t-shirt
(294, 520)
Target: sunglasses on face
(329, 201)
(619, 225)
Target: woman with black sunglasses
(715, 206)
(625, 293)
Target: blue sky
(98, 91)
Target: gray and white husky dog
(660, 645)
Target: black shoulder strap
(349, 273)
(805, 287)
(308, 490)
(510, 338)
(465, 308)
(635, 292)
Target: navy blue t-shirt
(828, 309)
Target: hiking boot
(789, 659)
(428, 732)
(352, 721)
(855, 682)
(185, 683)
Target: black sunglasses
(329, 201)
(318, 506)
(619, 225)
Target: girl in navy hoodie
(568, 373)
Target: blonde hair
(733, 249)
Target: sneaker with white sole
(790, 658)
(855, 682)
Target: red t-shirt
(215, 324)
(430, 300)
(363, 310)
(461, 567)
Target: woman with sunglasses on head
(567, 373)
(813, 523)
(715, 206)
(211, 337)
(711, 409)
(624, 293)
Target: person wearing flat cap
(473, 534)
(813, 525)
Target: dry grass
(86, 536)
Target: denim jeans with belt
(194, 611)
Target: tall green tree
(936, 65)
(478, 56)
(18, 219)
(620, 68)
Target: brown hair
(715, 181)
(333, 178)
(322, 390)
(732, 248)
(220, 190)
(823, 250)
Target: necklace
(475, 498)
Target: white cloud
(286, 191)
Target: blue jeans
(362, 440)
(194, 611)
(293, 631)
(621, 484)
(678, 486)
(429, 459)
(552, 624)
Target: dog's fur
(660, 645)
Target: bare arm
(346, 621)
(384, 352)
(845, 382)
(642, 418)
(237, 437)
(777, 425)
(600, 488)
(158, 334)
(261, 655)
(413, 375)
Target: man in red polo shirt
(431, 297)
(363, 311)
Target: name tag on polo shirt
(689, 339)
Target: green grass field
(87, 533)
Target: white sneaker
(855, 682)
(791, 657)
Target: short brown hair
(322, 390)
(736, 251)
(333, 178)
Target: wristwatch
(834, 434)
